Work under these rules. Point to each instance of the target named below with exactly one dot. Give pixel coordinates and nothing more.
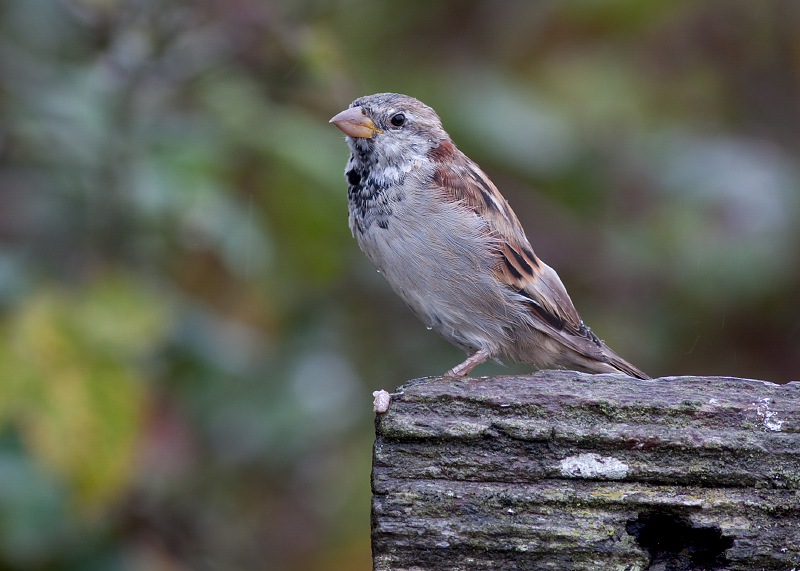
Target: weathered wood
(563, 470)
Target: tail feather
(622, 365)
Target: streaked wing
(517, 266)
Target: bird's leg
(476, 359)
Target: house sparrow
(450, 246)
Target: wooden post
(564, 470)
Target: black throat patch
(368, 196)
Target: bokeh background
(189, 335)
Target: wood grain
(564, 470)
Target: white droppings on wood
(381, 402)
(769, 417)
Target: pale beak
(354, 122)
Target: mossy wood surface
(563, 470)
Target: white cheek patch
(394, 162)
(392, 150)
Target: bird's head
(391, 127)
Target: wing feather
(517, 267)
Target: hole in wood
(674, 544)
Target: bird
(447, 242)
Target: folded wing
(517, 267)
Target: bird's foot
(470, 363)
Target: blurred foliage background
(189, 335)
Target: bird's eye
(398, 119)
